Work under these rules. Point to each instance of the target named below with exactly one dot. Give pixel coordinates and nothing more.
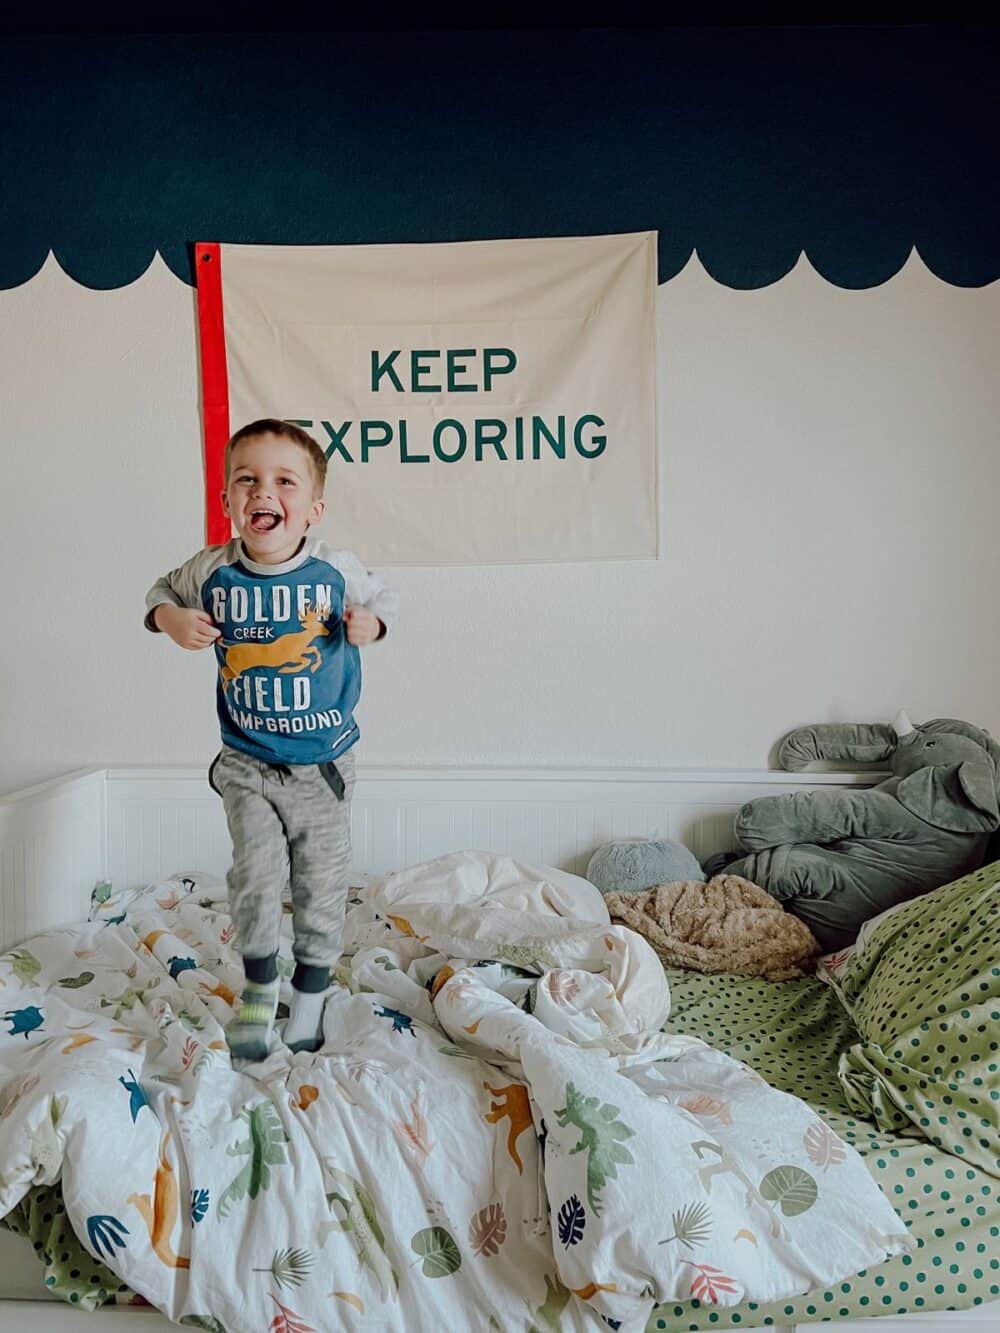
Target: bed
(135, 827)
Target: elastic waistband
(331, 775)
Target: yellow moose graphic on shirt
(290, 652)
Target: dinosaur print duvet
(496, 1134)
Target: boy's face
(270, 497)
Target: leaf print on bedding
(438, 1250)
(692, 1225)
(195, 1057)
(713, 1107)
(289, 1268)
(265, 1147)
(103, 1230)
(562, 986)
(412, 1134)
(708, 1282)
(287, 1321)
(572, 1220)
(823, 1146)
(835, 961)
(457, 1052)
(199, 1204)
(793, 1189)
(488, 1230)
(459, 989)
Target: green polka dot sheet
(69, 1271)
(923, 987)
(927, 975)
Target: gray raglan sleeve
(365, 588)
(182, 586)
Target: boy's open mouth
(264, 520)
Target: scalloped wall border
(803, 267)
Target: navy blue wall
(852, 144)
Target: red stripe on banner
(214, 387)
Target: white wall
(830, 481)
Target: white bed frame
(136, 825)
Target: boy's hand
(363, 626)
(187, 627)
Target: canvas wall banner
(479, 402)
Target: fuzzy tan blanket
(726, 925)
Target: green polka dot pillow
(923, 987)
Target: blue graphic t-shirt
(288, 679)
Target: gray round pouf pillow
(631, 865)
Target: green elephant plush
(838, 857)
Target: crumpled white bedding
(495, 1134)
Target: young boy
(286, 614)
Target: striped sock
(249, 1034)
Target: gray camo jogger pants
(286, 824)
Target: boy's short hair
(285, 430)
